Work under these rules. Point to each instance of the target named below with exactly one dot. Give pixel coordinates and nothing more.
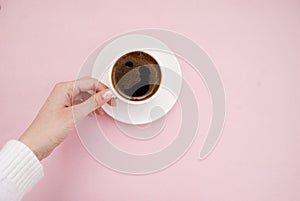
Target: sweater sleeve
(20, 170)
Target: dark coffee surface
(136, 76)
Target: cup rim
(116, 93)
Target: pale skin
(55, 119)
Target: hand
(55, 119)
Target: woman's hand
(55, 119)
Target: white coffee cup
(107, 79)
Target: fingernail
(107, 95)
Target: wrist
(39, 150)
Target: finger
(91, 114)
(94, 102)
(112, 102)
(99, 111)
(87, 84)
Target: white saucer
(170, 84)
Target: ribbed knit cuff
(20, 166)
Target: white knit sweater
(20, 170)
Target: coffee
(136, 76)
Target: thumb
(94, 102)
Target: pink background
(256, 47)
